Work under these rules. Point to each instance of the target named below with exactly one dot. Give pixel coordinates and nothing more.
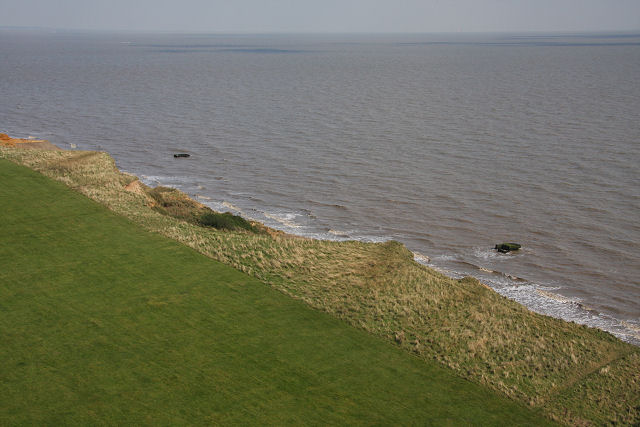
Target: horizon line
(628, 32)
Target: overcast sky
(325, 15)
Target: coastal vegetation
(574, 374)
(172, 202)
(104, 323)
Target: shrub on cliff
(224, 221)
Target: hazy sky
(325, 15)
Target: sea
(448, 143)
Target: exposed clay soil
(26, 143)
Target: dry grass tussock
(575, 374)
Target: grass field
(102, 322)
(574, 374)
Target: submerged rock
(507, 247)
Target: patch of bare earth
(26, 143)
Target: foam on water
(167, 181)
(284, 219)
(542, 299)
(231, 207)
(340, 234)
(420, 258)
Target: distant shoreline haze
(602, 34)
(361, 16)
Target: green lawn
(104, 323)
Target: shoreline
(542, 299)
(539, 299)
(484, 337)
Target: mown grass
(575, 374)
(102, 322)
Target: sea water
(446, 143)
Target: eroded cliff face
(28, 143)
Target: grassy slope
(101, 321)
(575, 374)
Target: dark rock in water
(182, 155)
(507, 247)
